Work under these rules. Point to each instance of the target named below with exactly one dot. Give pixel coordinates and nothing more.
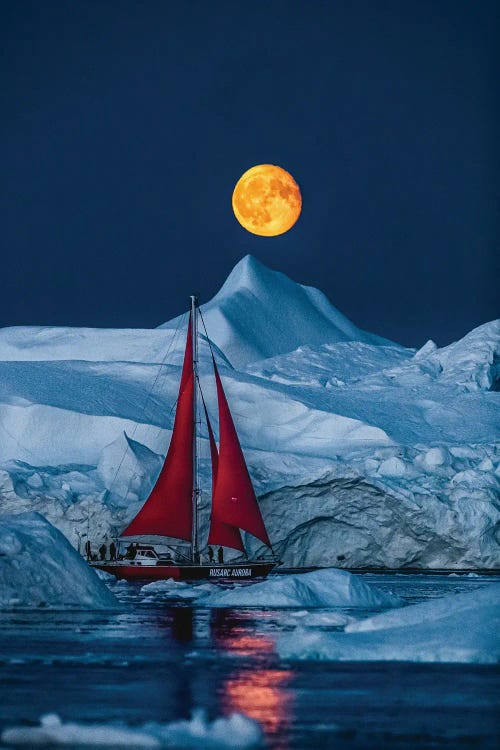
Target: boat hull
(231, 572)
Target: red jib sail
(233, 501)
(220, 533)
(169, 509)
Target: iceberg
(319, 588)
(287, 315)
(225, 733)
(40, 568)
(460, 628)
(363, 452)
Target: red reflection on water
(257, 690)
(247, 644)
(262, 695)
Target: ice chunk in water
(170, 589)
(457, 628)
(53, 732)
(226, 733)
(328, 587)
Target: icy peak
(259, 313)
(249, 273)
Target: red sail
(234, 500)
(220, 533)
(169, 509)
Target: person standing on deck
(88, 550)
(112, 551)
(102, 551)
(210, 555)
(220, 555)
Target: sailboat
(171, 510)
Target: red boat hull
(230, 572)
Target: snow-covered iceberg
(40, 568)
(287, 316)
(319, 588)
(225, 733)
(363, 452)
(456, 628)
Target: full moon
(267, 200)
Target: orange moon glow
(267, 200)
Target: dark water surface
(156, 661)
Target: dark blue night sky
(125, 126)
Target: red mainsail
(233, 500)
(169, 509)
(220, 533)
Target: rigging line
(129, 483)
(211, 352)
(207, 418)
(202, 398)
(244, 416)
(209, 341)
(174, 404)
(206, 411)
(213, 357)
(206, 333)
(161, 364)
(210, 345)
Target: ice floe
(435, 609)
(319, 588)
(170, 589)
(308, 619)
(455, 628)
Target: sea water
(158, 659)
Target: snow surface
(319, 588)
(287, 315)
(235, 731)
(39, 568)
(362, 452)
(456, 628)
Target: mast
(196, 490)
